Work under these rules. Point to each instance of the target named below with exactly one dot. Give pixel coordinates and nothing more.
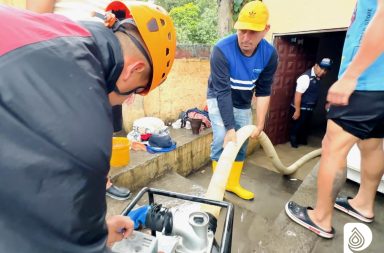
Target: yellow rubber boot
(233, 184)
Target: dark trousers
(300, 127)
(117, 118)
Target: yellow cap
(253, 16)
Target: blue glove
(139, 215)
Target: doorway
(297, 53)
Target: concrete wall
(185, 88)
(191, 154)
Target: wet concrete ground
(272, 191)
(261, 225)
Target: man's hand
(230, 136)
(109, 20)
(340, 91)
(296, 115)
(119, 227)
(255, 133)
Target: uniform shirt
(302, 83)
(372, 79)
(55, 132)
(308, 85)
(235, 77)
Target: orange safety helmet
(158, 33)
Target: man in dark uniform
(305, 99)
(55, 127)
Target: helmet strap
(118, 26)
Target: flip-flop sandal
(299, 214)
(343, 205)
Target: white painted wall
(291, 16)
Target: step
(287, 236)
(191, 153)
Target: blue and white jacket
(234, 76)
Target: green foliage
(207, 27)
(196, 23)
(237, 5)
(170, 4)
(185, 18)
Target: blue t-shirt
(372, 79)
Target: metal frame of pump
(226, 239)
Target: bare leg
(332, 173)
(372, 169)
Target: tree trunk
(225, 23)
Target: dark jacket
(55, 132)
(311, 95)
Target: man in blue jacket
(55, 126)
(242, 64)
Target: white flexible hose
(219, 178)
(270, 151)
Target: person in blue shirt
(242, 64)
(305, 100)
(356, 115)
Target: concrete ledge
(192, 153)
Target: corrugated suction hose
(219, 178)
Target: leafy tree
(195, 20)
(195, 23)
(170, 4)
(207, 27)
(237, 5)
(186, 19)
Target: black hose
(159, 218)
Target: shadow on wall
(185, 88)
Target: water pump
(176, 229)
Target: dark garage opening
(297, 53)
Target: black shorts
(363, 117)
